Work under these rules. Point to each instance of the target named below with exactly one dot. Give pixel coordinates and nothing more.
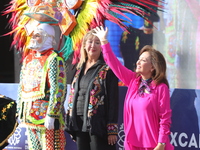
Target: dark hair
(159, 64)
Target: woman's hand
(72, 138)
(101, 34)
(159, 147)
(112, 139)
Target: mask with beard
(35, 45)
(43, 38)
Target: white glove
(49, 122)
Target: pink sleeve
(123, 73)
(164, 113)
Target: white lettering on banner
(183, 137)
(173, 140)
(13, 148)
(177, 139)
(193, 142)
(184, 140)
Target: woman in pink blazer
(147, 112)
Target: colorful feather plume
(92, 13)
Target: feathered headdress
(74, 17)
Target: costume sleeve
(57, 80)
(123, 73)
(112, 101)
(164, 113)
(19, 102)
(19, 96)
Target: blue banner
(185, 128)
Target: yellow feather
(84, 19)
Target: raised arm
(124, 74)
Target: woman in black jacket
(93, 100)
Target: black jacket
(102, 119)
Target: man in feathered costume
(42, 91)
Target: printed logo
(15, 138)
(121, 136)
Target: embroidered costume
(42, 91)
(101, 102)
